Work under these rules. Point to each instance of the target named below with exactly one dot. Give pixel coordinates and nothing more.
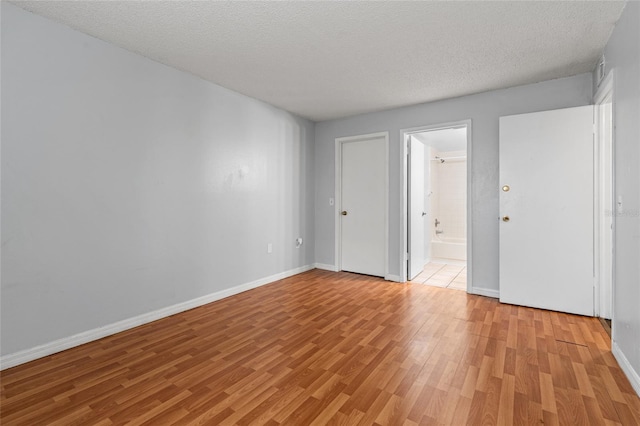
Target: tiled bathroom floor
(444, 273)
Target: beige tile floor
(444, 273)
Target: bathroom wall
(449, 190)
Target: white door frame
(404, 134)
(338, 195)
(605, 93)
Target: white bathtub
(449, 248)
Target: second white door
(546, 209)
(417, 211)
(363, 205)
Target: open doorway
(437, 205)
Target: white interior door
(363, 206)
(546, 180)
(416, 207)
(428, 218)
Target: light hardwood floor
(334, 348)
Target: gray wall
(483, 109)
(128, 186)
(623, 56)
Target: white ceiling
(332, 59)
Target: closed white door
(363, 206)
(546, 210)
(416, 207)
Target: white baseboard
(325, 267)
(11, 360)
(489, 292)
(395, 278)
(632, 375)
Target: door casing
(604, 294)
(404, 238)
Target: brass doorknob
(344, 213)
(505, 219)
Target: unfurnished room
(320, 212)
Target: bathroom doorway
(437, 205)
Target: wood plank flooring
(334, 348)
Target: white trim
(338, 196)
(632, 375)
(325, 267)
(404, 133)
(600, 70)
(604, 88)
(403, 264)
(489, 292)
(11, 360)
(395, 278)
(605, 93)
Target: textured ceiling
(325, 60)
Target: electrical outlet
(269, 248)
(298, 242)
